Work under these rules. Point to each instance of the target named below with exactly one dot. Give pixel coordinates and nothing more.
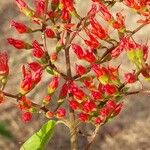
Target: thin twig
(18, 98)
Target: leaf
(39, 140)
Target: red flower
(68, 4)
(110, 89)
(50, 33)
(36, 70)
(104, 112)
(117, 51)
(140, 6)
(37, 52)
(89, 56)
(88, 106)
(78, 51)
(76, 92)
(119, 23)
(83, 117)
(53, 85)
(53, 57)
(21, 4)
(130, 77)
(47, 99)
(74, 104)
(49, 114)
(4, 68)
(26, 117)
(65, 16)
(89, 83)
(40, 7)
(19, 44)
(24, 103)
(80, 70)
(24, 8)
(64, 91)
(92, 42)
(31, 76)
(98, 120)
(105, 12)
(99, 71)
(118, 109)
(96, 95)
(61, 112)
(52, 14)
(97, 29)
(20, 27)
(111, 104)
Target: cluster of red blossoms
(96, 91)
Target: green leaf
(39, 140)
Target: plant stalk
(73, 126)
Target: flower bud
(20, 27)
(130, 77)
(110, 89)
(77, 92)
(111, 104)
(19, 44)
(118, 109)
(24, 8)
(24, 103)
(73, 104)
(49, 114)
(98, 120)
(83, 117)
(78, 51)
(4, 68)
(64, 91)
(61, 112)
(49, 33)
(53, 57)
(88, 106)
(92, 42)
(104, 112)
(80, 70)
(105, 12)
(96, 95)
(21, 4)
(46, 100)
(40, 7)
(101, 73)
(31, 76)
(65, 16)
(26, 117)
(37, 52)
(53, 85)
(89, 56)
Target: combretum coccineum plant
(93, 92)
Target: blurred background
(128, 131)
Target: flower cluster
(95, 90)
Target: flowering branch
(95, 93)
(18, 98)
